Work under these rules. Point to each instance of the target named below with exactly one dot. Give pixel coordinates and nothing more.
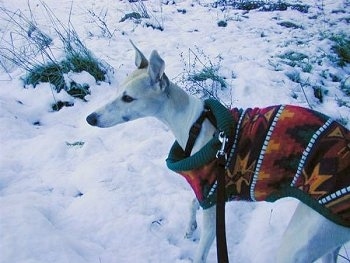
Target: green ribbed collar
(177, 161)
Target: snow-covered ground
(70, 192)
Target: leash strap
(221, 244)
(196, 129)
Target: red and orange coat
(274, 152)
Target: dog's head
(142, 93)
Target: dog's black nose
(92, 119)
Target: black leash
(221, 244)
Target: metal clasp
(223, 139)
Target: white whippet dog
(148, 92)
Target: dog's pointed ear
(156, 67)
(140, 60)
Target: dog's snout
(92, 119)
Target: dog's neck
(179, 112)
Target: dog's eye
(127, 98)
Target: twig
(307, 100)
(101, 22)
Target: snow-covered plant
(296, 59)
(201, 76)
(140, 14)
(26, 45)
(54, 73)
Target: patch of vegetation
(85, 61)
(293, 56)
(222, 23)
(296, 59)
(247, 5)
(60, 104)
(289, 24)
(77, 90)
(267, 6)
(306, 87)
(299, 7)
(341, 46)
(51, 72)
(154, 26)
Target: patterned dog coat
(274, 152)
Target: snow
(70, 192)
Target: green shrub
(53, 73)
(79, 62)
(50, 72)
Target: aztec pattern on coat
(276, 152)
